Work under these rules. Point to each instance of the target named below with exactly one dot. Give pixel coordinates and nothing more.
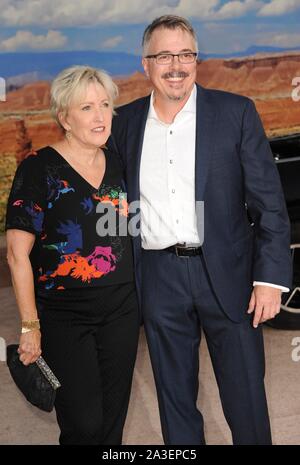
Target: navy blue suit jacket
(234, 168)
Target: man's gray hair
(168, 22)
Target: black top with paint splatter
(75, 244)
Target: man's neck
(166, 109)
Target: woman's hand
(30, 346)
(19, 246)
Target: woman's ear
(62, 117)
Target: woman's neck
(80, 154)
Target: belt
(182, 251)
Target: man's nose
(175, 62)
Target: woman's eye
(86, 107)
(106, 104)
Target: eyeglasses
(167, 58)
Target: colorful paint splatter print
(51, 200)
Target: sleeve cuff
(260, 283)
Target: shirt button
(171, 161)
(173, 191)
(171, 132)
(177, 221)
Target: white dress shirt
(167, 180)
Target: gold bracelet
(30, 325)
(24, 330)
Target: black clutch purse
(36, 381)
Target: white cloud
(26, 40)
(279, 7)
(76, 13)
(58, 13)
(235, 9)
(198, 9)
(281, 40)
(112, 42)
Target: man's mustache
(175, 74)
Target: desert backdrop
(25, 120)
(265, 78)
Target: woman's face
(89, 118)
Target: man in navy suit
(183, 148)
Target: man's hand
(265, 302)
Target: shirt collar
(189, 107)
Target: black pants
(89, 340)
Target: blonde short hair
(70, 85)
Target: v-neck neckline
(78, 174)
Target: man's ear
(145, 65)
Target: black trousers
(89, 340)
(179, 301)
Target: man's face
(173, 81)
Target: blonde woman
(75, 285)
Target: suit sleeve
(117, 140)
(266, 203)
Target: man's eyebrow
(169, 51)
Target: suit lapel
(205, 131)
(136, 129)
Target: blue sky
(223, 26)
